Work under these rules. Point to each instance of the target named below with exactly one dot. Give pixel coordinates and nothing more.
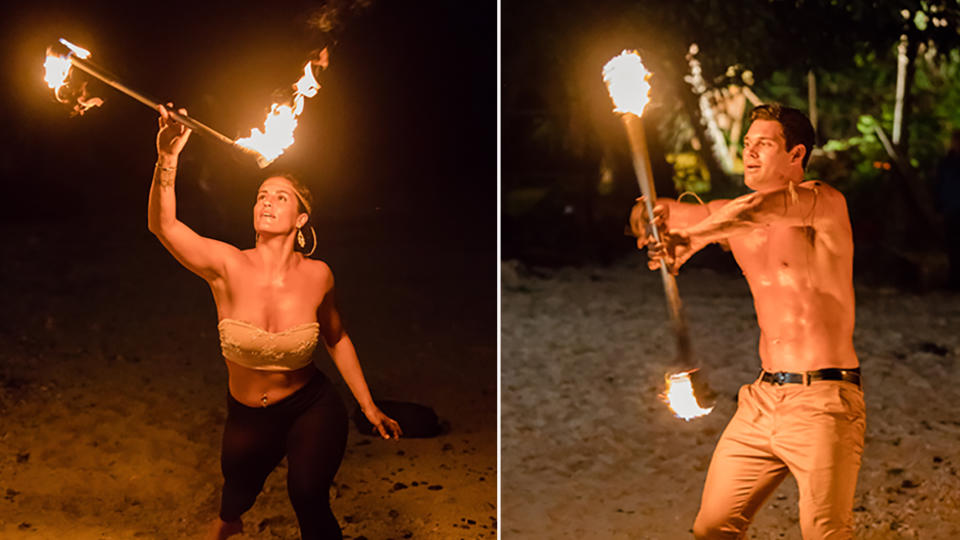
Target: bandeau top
(255, 348)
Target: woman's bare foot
(220, 529)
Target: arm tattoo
(165, 175)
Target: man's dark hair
(796, 126)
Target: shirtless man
(804, 415)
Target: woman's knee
(308, 491)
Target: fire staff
(804, 414)
(274, 304)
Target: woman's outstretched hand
(388, 427)
(172, 135)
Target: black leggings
(310, 428)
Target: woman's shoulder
(317, 269)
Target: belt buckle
(780, 378)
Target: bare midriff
(260, 388)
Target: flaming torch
(628, 83)
(57, 69)
(266, 148)
(277, 134)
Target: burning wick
(56, 71)
(628, 82)
(281, 122)
(680, 398)
(58, 67)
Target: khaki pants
(814, 432)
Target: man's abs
(804, 300)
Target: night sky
(401, 134)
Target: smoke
(329, 19)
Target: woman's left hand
(388, 427)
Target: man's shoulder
(821, 188)
(819, 185)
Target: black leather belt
(829, 374)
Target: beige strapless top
(255, 348)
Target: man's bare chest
(773, 251)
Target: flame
(79, 51)
(680, 398)
(627, 82)
(281, 121)
(57, 68)
(85, 101)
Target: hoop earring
(314, 248)
(301, 241)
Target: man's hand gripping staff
(669, 246)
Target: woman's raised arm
(203, 256)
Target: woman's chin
(269, 232)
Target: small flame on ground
(627, 82)
(680, 398)
(281, 122)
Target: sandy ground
(588, 451)
(112, 391)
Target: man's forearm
(736, 217)
(683, 214)
(790, 206)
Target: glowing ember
(281, 122)
(628, 83)
(679, 397)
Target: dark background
(404, 123)
(567, 181)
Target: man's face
(766, 163)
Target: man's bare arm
(812, 204)
(668, 214)
(788, 207)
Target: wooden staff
(641, 166)
(192, 123)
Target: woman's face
(276, 210)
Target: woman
(273, 303)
